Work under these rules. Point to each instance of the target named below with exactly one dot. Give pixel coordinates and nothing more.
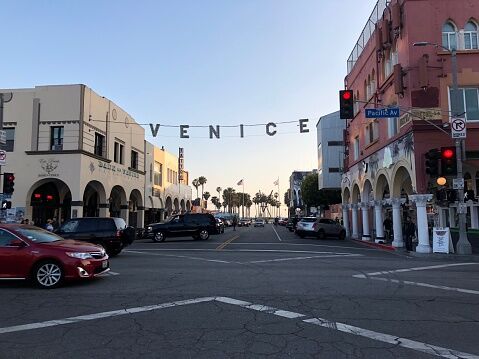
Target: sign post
(458, 128)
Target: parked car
(283, 221)
(325, 227)
(220, 226)
(291, 225)
(305, 227)
(197, 225)
(258, 223)
(111, 233)
(28, 252)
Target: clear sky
(197, 62)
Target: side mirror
(17, 243)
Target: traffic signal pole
(463, 245)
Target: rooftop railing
(367, 32)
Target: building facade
(330, 131)
(296, 203)
(385, 157)
(74, 153)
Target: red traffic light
(347, 95)
(37, 196)
(10, 178)
(49, 197)
(448, 153)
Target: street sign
(458, 183)
(458, 128)
(3, 157)
(382, 112)
(3, 137)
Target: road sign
(3, 158)
(3, 137)
(458, 128)
(382, 112)
(458, 183)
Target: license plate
(104, 264)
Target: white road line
(420, 268)
(391, 339)
(230, 250)
(277, 235)
(345, 328)
(187, 257)
(107, 274)
(427, 285)
(300, 258)
(114, 313)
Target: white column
(378, 210)
(365, 215)
(397, 225)
(422, 227)
(474, 217)
(345, 208)
(354, 213)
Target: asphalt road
(253, 292)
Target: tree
(206, 195)
(216, 202)
(202, 181)
(196, 184)
(218, 189)
(313, 197)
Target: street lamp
(463, 245)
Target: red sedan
(28, 252)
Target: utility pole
(4, 98)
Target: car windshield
(39, 235)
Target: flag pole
(242, 216)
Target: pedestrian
(54, 223)
(49, 225)
(235, 222)
(409, 232)
(388, 226)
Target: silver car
(321, 228)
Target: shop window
(468, 102)
(158, 179)
(10, 134)
(134, 160)
(118, 153)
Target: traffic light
(6, 205)
(432, 162)
(346, 104)
(448, 161)
(8, 183)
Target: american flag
(276, 182)
(240, 183)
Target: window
(469, 102)
(99, 142)
(134, 160)
(334, 170)
(393, 126)
(449, 35)
(371, 132)
(6, 238)
(10, 134)
(470, 36)
(356, 147)
(56, 138)
(118, 153)
(158, 178)
(335, 143)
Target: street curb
(375, 245)
(445, 256)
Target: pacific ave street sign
(382, 112)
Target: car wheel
(342, 235)
(48, 274)
(204, 234)
(321, 234)
(158, 236)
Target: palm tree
(196, 184)
(206, 195)
(228, 197)
(218, 189)
(216, 202)
(248, 204)
(202, 181)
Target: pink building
(385, 173)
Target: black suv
(111, 233)
(197, 225)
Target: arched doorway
(93, 199)
(182, 206)
(134, 206)
(168, 206)
(188, 205)
(176, 204)
(49, 199)
(117, 202)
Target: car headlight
(149, 229)
(79, 255)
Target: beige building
(164, 192)
(74, 153)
